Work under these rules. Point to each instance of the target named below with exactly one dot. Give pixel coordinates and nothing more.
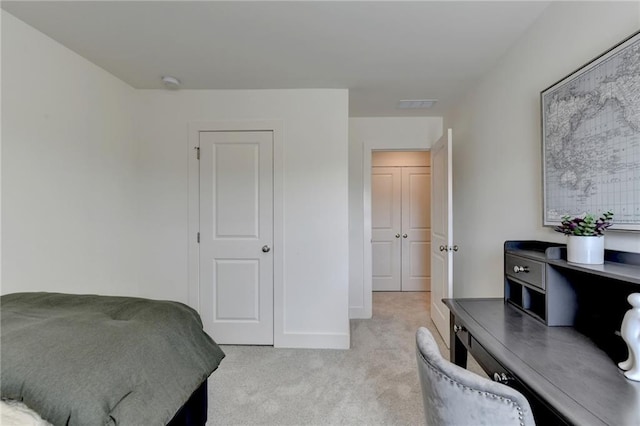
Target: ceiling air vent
(416, 103)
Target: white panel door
(442, 233)
(386, 224)
(416, 229)
(236, 234)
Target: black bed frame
(194, 411)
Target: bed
(103, 360)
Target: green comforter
(98, 360)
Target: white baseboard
(313, 340)
(359, 312)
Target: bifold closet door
(386, 223)
(401, 228)
(416, 229)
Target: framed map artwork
(591, 139)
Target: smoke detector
(171, 83)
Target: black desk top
(560, 364)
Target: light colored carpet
(373, 383)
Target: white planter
(586, 250)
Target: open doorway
(401, 220)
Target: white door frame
(278, 210)
(368, 148)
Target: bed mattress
(96, 360)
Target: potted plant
(586, 237)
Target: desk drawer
(486, 361)
(526, 270)
(543, 413)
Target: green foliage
(587, 226)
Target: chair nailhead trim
(508, 401)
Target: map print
(591, 140)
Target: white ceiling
(381, 51)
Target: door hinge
(198, 238)
(197, 148)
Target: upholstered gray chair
(454, 396)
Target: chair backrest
(454, 396)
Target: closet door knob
(397, 235)
(404, 235)
(443, 248)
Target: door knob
(455, 248)
(442, 248)
(266, 249)
(404, 235)
(397, 235)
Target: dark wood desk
(565, 376)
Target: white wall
(94, 184)
(365, 135)
(69, 209)
(315, 122)
(0, 156)
(497, 142)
